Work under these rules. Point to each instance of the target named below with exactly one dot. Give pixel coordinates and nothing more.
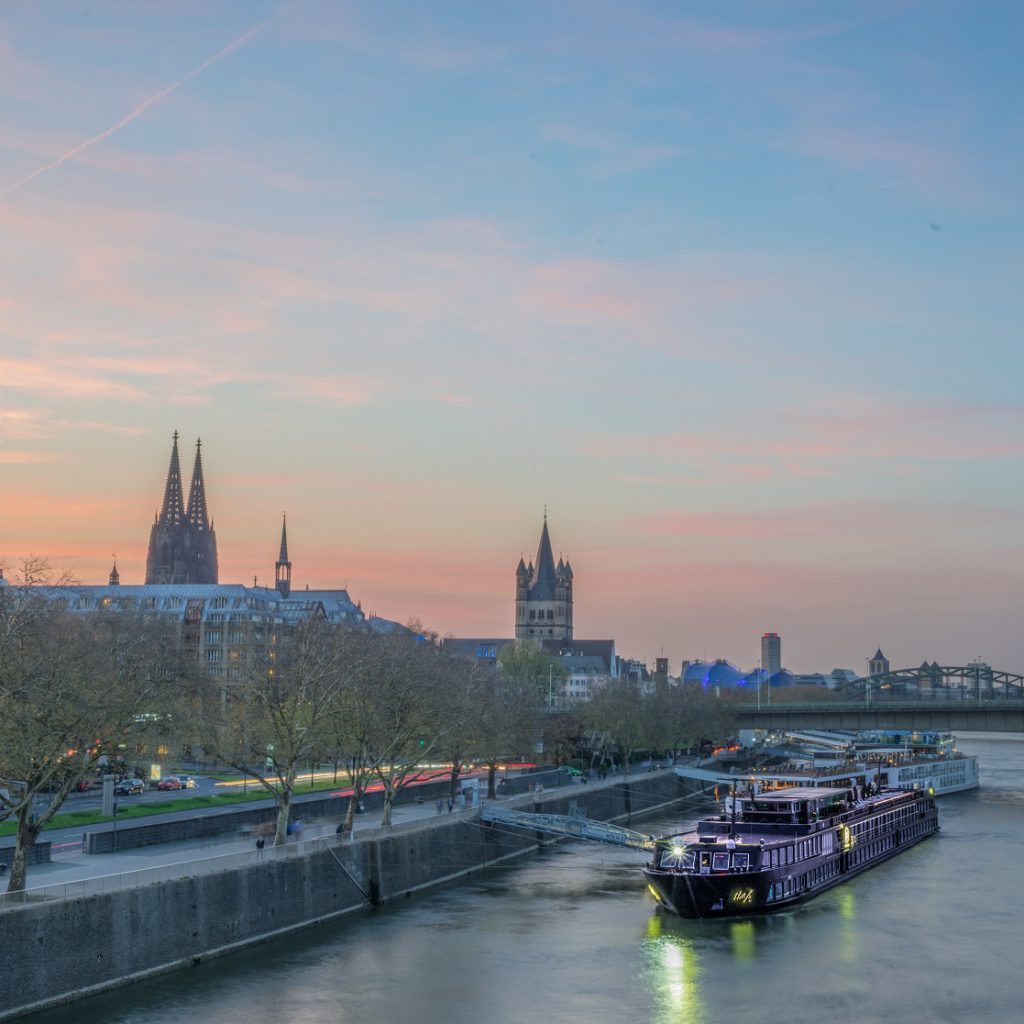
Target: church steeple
(114, 579)
(545, 568)
(196, 513)
(544, 595)
(173, 511)
(282, 567)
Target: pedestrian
(451, 804)
(260, 843)
(440, 804)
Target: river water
(571, 935)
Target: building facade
(224, 626)
(771, 653)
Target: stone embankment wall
(39, 854)
(58, 951)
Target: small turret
(114, 580)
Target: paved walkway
(69, 865)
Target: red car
(170, 782)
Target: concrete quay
(157, 909)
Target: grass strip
(125, 812)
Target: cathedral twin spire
(182, 543)
(173, 512)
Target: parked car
(129, 787)
(170, 782)
(83, 786)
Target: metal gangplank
(573, 826)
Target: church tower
(282, 567)
(879, 664)
(544, 595)
(182, 542)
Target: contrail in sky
(241, 41)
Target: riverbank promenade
(72, 873)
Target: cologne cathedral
(182, 544)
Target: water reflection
(847, 929)
(674, 976)
(743, 939)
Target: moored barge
(771, 850)
(780, 848)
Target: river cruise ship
(885, 758)
(777, 849)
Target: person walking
(440, 804)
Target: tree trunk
(26, 837)
(453, 778)
(492, 772)
(284, 806)
(389, 797)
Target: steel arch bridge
(976, 681)
(933, 696)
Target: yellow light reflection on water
(675, 977)
(847, 903)
(849, 934)
(743, 944)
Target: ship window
(741, 861)
(720, 862)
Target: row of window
(686, 860)
(880, 823)
(538, 614)
(823, 842)
(791, 886)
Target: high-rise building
(544, 595)
(182, 543)
(771, 653)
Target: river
(570, 935)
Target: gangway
(572, 825)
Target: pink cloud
(23, 374)
(26, 458)
(811, 442)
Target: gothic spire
(114, 579)
(173, 511)
(545, 571)
(283, 568)
(284, 538)
(196, 514)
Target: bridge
(964, 698)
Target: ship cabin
(786, 811)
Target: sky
(733, 290)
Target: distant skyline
(732, 289)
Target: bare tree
(267, 723)
(619, 709)
(73, 687)
(411, 721)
